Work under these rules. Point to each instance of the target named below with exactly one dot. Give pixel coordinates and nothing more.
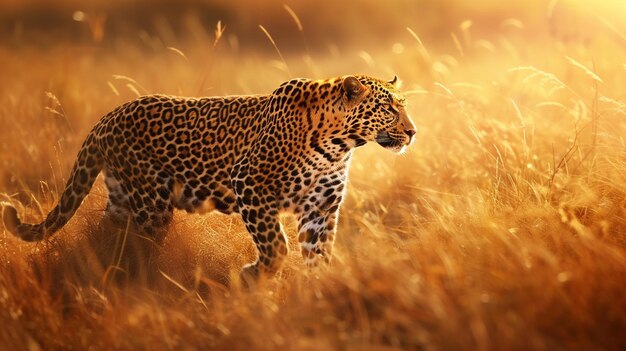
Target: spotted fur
(254, 155)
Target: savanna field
(503, 227)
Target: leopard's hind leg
(149, 200)
(147, 191)
(118, 205)
(139, 209)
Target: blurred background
(314, 37)
(420, 40)
(353, 24)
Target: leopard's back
(191, 143)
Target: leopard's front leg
(316, 234)
(318, 217)
(259, 211)
(269, 238)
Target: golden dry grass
(503, 228)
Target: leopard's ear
(353, 89)
(394, 81)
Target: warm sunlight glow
(501, 227)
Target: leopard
(258, 156)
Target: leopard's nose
(410, 132)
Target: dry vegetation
(503, 228)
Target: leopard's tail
(86, 168)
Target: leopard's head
(376, 111)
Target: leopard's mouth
(391, 142)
